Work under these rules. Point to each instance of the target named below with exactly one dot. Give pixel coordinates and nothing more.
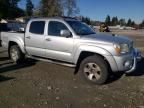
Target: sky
(99, 9)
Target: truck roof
(59, 18)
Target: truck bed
(6, 36)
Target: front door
(58, 47)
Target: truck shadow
(3, 51)
(4, 58)
(114, 77)
(3, 78)
(10, 66)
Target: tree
(50, 8)
(58, 8)
(29, 8)
(129, 22)
(3, 8)
(122, 22)
(133, 24)
(108, 20)
(37, 11)
(142, 24)
(117, 22)
(87, 20)
(71, 8)
(9, 9)
(114, 21)
(43, 7)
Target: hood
(107, 38)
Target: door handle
(48, 39)
(28, 37)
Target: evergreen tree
(108, 20)
(114, 21)
(9, 9)
(117, 21)
(87, 20)
(129, 23)
(122, 22)
(29, 8)
(44, 7)
(133, 24)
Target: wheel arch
(85, 54)
(16, 42)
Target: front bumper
(128, 63)
(137, 57)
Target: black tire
(97, 69)
(0, 43)
(16, 54)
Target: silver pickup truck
(69, 42)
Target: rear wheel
(94, 69)
(16, 54)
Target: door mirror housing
(65, 33)
(22, 29)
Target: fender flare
(92, 49)
(19, 42)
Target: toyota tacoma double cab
(70, 42)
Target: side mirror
(65, 33)
(21, 29)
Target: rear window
(37, 27)
(3, 27)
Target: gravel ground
(37, 84)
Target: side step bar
(52, 61)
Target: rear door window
(37, 27)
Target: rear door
(34, 38)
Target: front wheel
(16, 54)
(94, 69)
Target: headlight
(121, 48)
(124, 48)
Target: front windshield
(80, 28)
